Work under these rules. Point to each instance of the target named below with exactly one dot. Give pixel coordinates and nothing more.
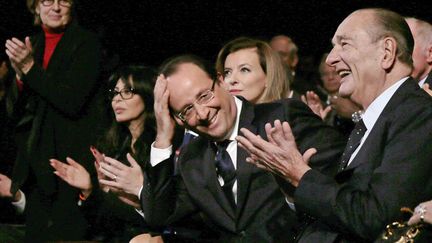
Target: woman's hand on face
(129, 179)
(73, 173)
(20, 55)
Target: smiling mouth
(212, 121)
(344, 73)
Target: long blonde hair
(270, 62)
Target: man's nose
(202, 111)
(333, 57)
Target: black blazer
(262, 214)
(391, 170)
(57, 115)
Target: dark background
(150, 31)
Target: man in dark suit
(248, 206)
(387, 162)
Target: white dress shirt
(370, 116)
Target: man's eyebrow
(339, 38)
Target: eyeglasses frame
(113, 93)
(181, 115)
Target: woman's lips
(118, 110)
(234, 91)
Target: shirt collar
(234, 132)
(377, 106)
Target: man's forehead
(188, 75)
(353, 26)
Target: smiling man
(387, 162)
(237, 200)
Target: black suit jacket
(57, 115)
(391, 170)
(262, 214)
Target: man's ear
(390, 47)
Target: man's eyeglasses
(188, 112)
(125, 93)
(64, 3)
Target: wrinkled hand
(426, 88)
(415, 219)
(74, 174)
(344, 107)
(280, 155)
(164, 122)
(313, 101)
(20, 55)
(5, 187)
(129, 179)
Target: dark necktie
(353, 142)
(225, 168)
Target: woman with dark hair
(131, 133)
(57, 114)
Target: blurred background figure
(250, 68)
(132, 131)
(301, 80)
(57, 114)
(334, 110)
(422, 53)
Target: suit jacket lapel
(200, 174)
(405, 89)
(244, 169)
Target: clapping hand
(314, 102)
(129, 179)
(74, 174)
(279, 155)
(20, 55)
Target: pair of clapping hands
(114, 176)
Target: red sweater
(51, 41)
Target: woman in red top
(57, 115)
